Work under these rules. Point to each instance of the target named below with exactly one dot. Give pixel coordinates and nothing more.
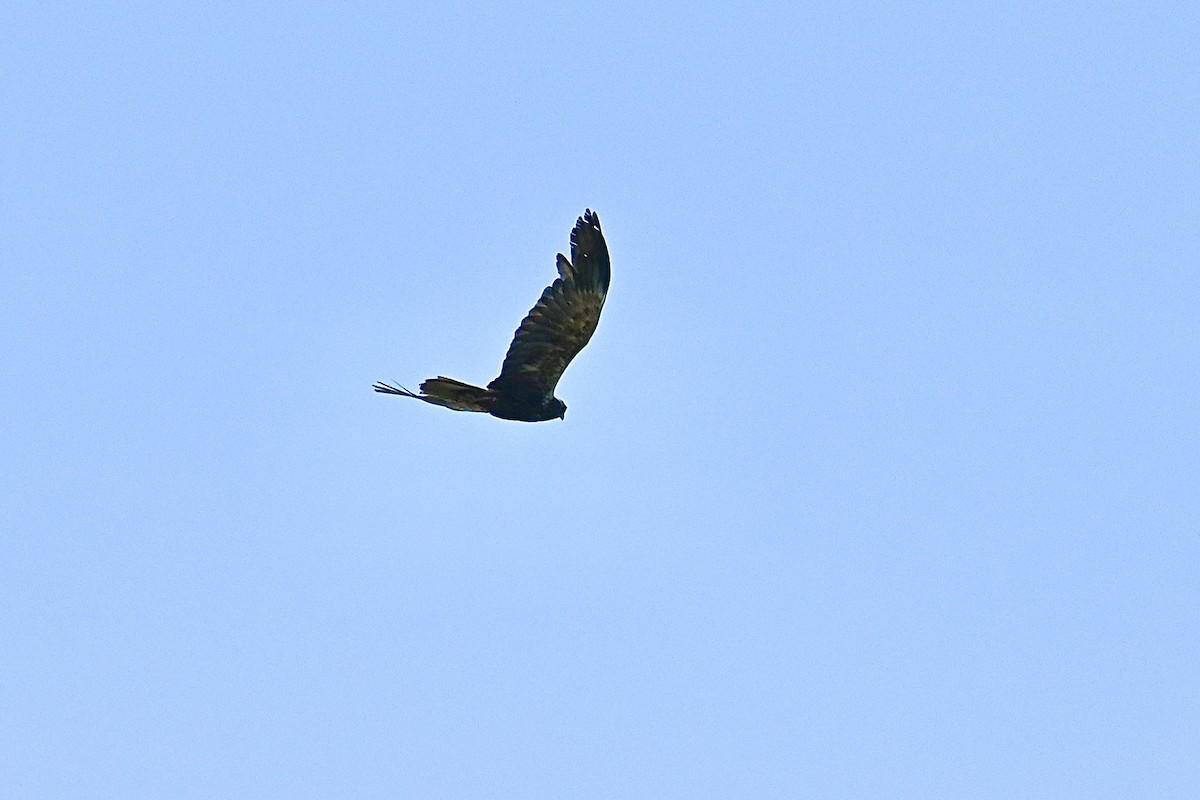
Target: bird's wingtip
(387, 388)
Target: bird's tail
(455, 394)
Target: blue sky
(879, 477)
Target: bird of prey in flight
(552, 334)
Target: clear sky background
(880, 478)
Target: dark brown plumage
(552, 334)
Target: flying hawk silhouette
(552, 334)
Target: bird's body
(553, 333)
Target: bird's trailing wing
(442, 391)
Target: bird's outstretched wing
(565, 317)
(443, 391)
